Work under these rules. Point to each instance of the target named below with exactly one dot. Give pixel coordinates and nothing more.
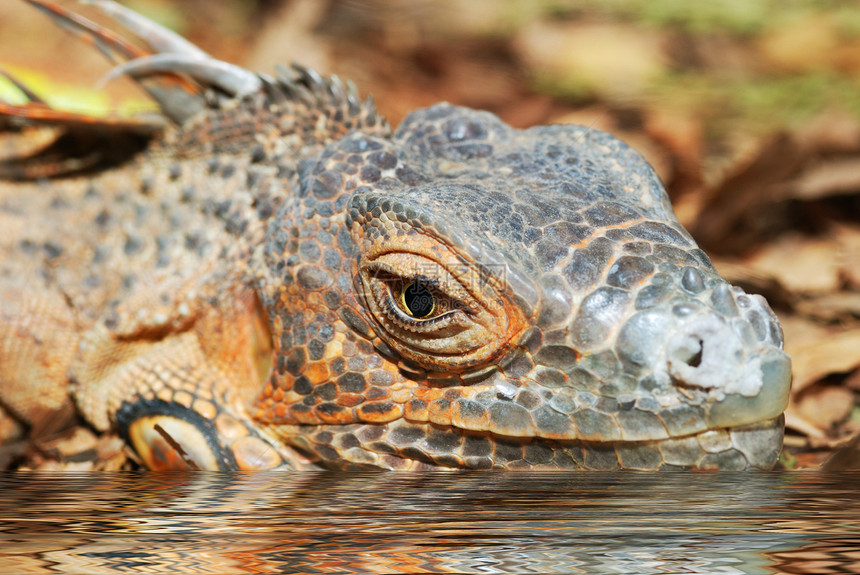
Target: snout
(745, 383)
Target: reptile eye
(439, 314)
(417, 300)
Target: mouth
(752, 446)
(403, 445)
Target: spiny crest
(305, 85)
(298, 108)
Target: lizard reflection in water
(268, 276)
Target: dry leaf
(837, 353)
(829, 177)
(805, 44)
(853, 380)
(287, 35)
(831, 132)
(731, 215)
(682, 136)
(839, 307)
(844, 459)
(795, 421)
(613, 60)
(800, 331)
(800, 264)
(824, 405)
(848, 237)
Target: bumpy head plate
(467, 294)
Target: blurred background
(748, 109)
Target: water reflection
(382, 522)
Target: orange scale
(379, 412)
(325, 414)
(308, 417)
(350, 399)
(440, 411)
(416, 410)
(317, 372)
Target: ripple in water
(445, 522)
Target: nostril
(687, 350)
(696, 360)
(706, 353)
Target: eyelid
(475, 323)
(432, 283)
(395, 275)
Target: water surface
(461, 522)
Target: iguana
(269, 276)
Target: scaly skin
(280, 281)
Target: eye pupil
(417, 300)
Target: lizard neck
(249, 153)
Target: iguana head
(467, 294)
